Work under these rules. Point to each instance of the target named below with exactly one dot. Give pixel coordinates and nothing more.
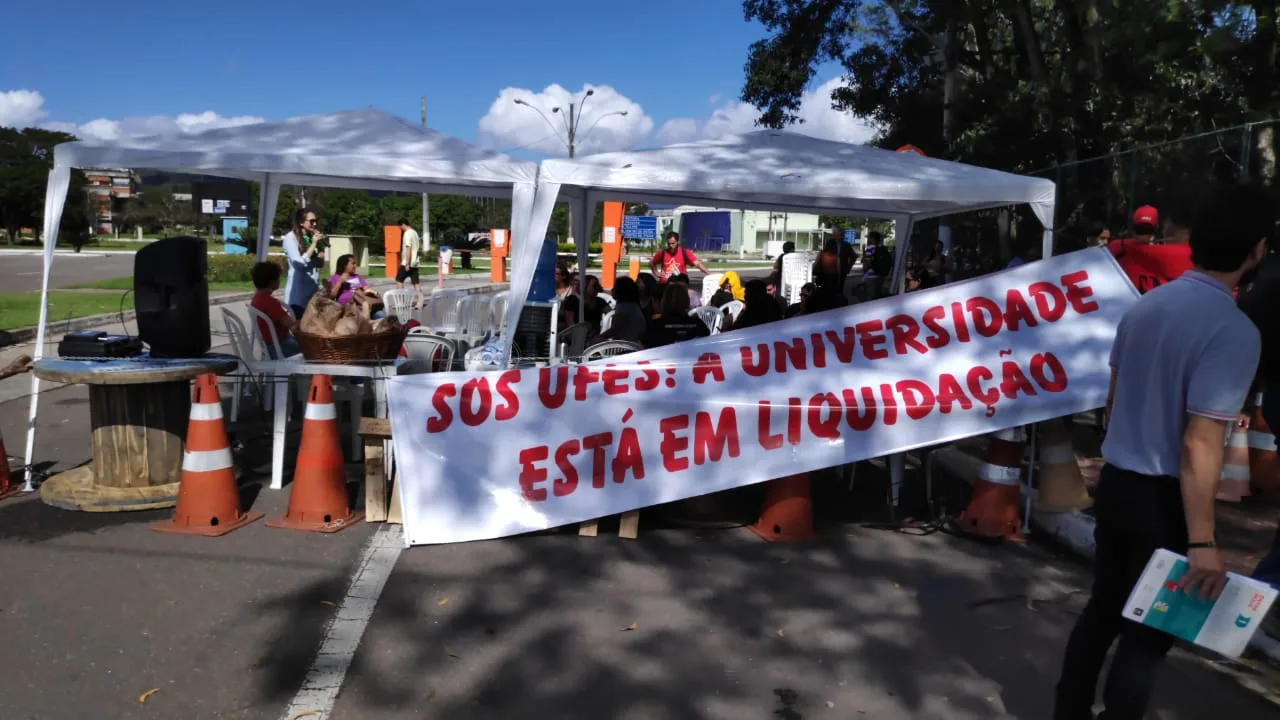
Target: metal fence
(1175, 176)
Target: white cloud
(23, 108)
(820, 120)
(20, 108)
(508, 125)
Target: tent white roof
(771, 169)
(364, 148)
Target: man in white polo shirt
(1181, 366)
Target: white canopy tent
(365, 148)
(774, 170)
(780, 171)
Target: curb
(27, 334)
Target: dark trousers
(1136, 514)
(297, 311)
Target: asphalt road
(22, 271)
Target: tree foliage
(26, 156)
(1036, 82)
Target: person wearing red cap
(1148, 262)
(1146, 223)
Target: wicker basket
(351, 349)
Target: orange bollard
(608, 273)
(787, 515)
(993, 509)
(318, 501)
(1233, 485)
(633, 269)
(208, 498)
(1264, 463)
(1060, 487)
(7, 488)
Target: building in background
(108, 190)
(746, 231)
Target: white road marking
(324, 680)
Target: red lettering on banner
(843, 344)
(708, 366)
(958, 321)
(511, 401)
(767, 440)
(566, 484)
(475, 390)
(614, 380)
(553, 397)
(904, 329)
(1017, 311)
(1051, 302)
(1013, 381)
(795, 411)
(753, 366)
(917, 398)
(1078, 294)
(987, 396)
(819, 350)
(712, 440)
(827, 428)
(1040, 362)
(871, 337)
(938, 336)
(596, 444)
(630, 459)
(863, 419)
(790, 351)
(986, 316)
(890, 404)
(444, 413)
(950, 393)
(583, 377)
(672, 444)
(531, 475)
(649, 378)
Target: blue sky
(675, 66)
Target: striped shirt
(1184, 348)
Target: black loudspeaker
(171, 297)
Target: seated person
(673, 323)
(628, 319)
(730, 290)
(348, 286)
(266, 280)
(806, 292)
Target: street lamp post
(572, 122)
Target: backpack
(882, 264)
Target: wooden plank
(589, 528)
(375, 428)
(629, 525)
(375, 482)
(394, 516)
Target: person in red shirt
(266, 280)
(674, 260)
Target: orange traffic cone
(1264, 463)
(7, 487)
(1233, 485)
(208, 499)
(787, 515)
(993, 509)
(318, 501)
(1060, 488)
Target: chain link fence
(1175, 177)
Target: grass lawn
(126, 283)
(18, 310)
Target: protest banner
(1150, 265)
(486, 455)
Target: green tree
(351, 212)
(26, 156)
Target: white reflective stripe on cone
(1235, 472)
(206, 411)
(328, 411)
(1055, 454)
(206, 460)
(999, 474)
(1262, 440)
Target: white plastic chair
(498, 310)
(734, 308)
(710, 284)
(272, 340)
(606, 321)
(610, 348)
(797, 270)
(422, 345)
(476, 319)
(608, 299)
(445, 317)
(572, 341)
(257, 367)
(710, 316)
(400, 302)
